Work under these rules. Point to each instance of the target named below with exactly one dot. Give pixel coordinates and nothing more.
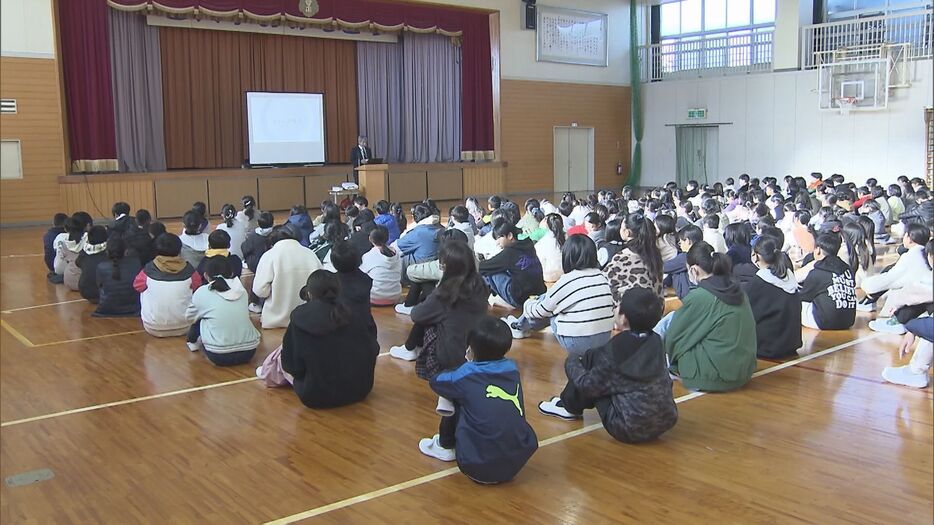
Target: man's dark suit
(356, 158)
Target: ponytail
(702, 255)
(325, 286)
(770, 252)
(644, 243)
(228, 213)
(378, 237)
(249, 206)
(555, 224)
(218, 268)
(116, 249)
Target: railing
(702, 56)
(912, 28)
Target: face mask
(692, 276)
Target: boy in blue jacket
(492, 440)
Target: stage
(170, 194)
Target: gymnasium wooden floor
(138, 430)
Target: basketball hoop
(846, 104)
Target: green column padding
(635, 168)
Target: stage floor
(138, 430)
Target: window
(844, 9)
(704, 16)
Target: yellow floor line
(556, 439)
(11, 310)
(127, 401)
(93, 337)
(15, 333)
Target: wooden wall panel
(446, 184)
(317, 188)
(531, 109)
(229, 190)
(281, 193)
(407, 186)
(483, 181)
(33, 82)
(175, 197)
(97, 198)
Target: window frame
(704, 30)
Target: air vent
(8, 106)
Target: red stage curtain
(88, 94)
(206, 75)
(477, 78)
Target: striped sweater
(581, 302)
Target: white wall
(518, 45)
(26, 28)
(777, 129)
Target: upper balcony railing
(913, 28)
(707, 55)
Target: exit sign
(697, 113)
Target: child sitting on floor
(626, 380)
(165, 286)
(282, 270)
(48, 241)
(219, 246)
(194, 240)
(115, 279)
(92, 254)
(490, 437)
(515, 273)
(219, 316)
(383, 265)
(828, 292)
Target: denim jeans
(575, 345)
(499, 285)
(662, 327)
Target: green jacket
(712, 339)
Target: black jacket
(356, 158)
(48, 248)
(830, 287)
(778, 316)
(253, 248)
(355, 292)
(629, 382)
(521, 262)
(140, 245)
(118, 298)
(331, 365)
(919, 214)
(122, 227)
(87, 283)
(452, 323)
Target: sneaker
(512, 323)
(403, 353)
(194, 347)
(403, 309)
(432, 447)
(554, 408)
(888, 326)
(496, 300)
(255, 308)
(865, 306)
(259, 371)
(902, 375)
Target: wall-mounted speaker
(528, 14)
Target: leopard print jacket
(627, 270)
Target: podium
(374, 181)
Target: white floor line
(11, 310)
(133, 400)
(21, 255)
(317, 511)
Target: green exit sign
(697, 113)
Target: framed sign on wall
(571, 36)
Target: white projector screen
(285, 128)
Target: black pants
(907, 313)
(225, 359)
(416, 337)
(446, 429)
(418, 292)
(573, 401)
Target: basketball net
(846, 104)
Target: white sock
(445, 407)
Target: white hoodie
(280, 274)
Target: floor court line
(318, 511)
(19, 256)
(16, 335)
(133, 399)
(11, 310)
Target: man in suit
(359, 156)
